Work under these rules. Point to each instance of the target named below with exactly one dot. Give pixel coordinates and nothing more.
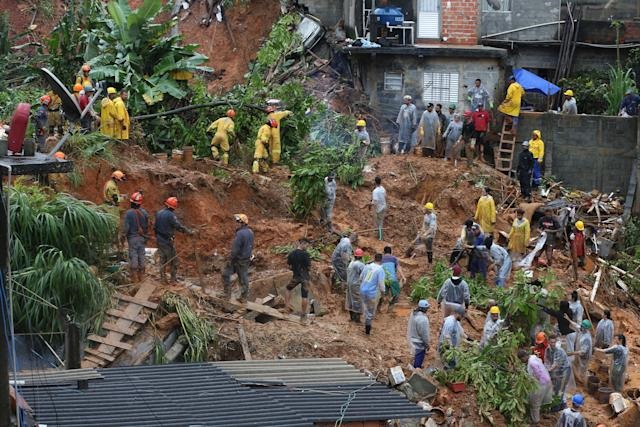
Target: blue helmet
(423, 303)
(577, 399)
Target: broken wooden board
(131, 331)
(134, 300)
(270, 311)
(122, 315)
(99, 354)
(109, 342)
(244, 343)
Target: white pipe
(523, 28)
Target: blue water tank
(388, 15)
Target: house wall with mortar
(584, 151)
(522, 13)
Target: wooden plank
(131, 311)
(134, 300)
(272, 312)
(122, 315)
(109, 341)
(244, 343)
(89, 364)
(114, 327)
(96, 360)
(100, 355)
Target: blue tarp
(532, 83)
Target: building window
(440, 87)
(496, 5)
(393, 81)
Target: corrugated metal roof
(207, 395)
(55, 376)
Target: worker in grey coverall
(419, 333)
(326, 212)
(136, 230)
(240, 258)
(454, 293)
(407, 122)
(165, 227)
(341, 257)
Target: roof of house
(432, 50)
(296, 392)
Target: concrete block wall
(584, 151)
(523, 13)
(459, 22)
(328, 11)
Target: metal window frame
(399, 74)
(435, 92)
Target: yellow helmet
(361, 123)
(119, 175)
(568, 92)
(580, 225)
(494, 310)
(241, 218)
(111, 90)
(429, 206)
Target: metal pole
(5, 399)
(72, 346)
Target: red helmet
(272, 123)
(231, 113)
(171, 202)
(136, 198)
(86, 68)
(59, 155)
(359, 252)
(45, 99)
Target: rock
(167, 322)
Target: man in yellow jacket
(108, 113)
(519, 234)
(263, 142)
(224, 128)
(536, 147)
(54, 115)
(486, 212)
(510, 107)
(83, 78)
(122, 122)
(276, 145)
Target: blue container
(388, 15)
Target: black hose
(193, 107)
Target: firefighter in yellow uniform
(263, 142)
(223, 128)
(111, 193)
(122, 122)
(83, 78)
(108, 113)
(486, 212)
(510, 107)
(54, 115)
(276, 145)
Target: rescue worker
(557, 363)
(342, 256)
(429, 130)
(40, 122)
(444, 123)
(486, 212)
(122, 122)
(618, 369)
(379, 205)
(576, 307)
(479, 254)
(501, 261)
(578, 250)
(300, 262)
(604, 331)
(481, 125)
(454, 293)
(239, 258)
(406, 122)
(372, 287)
(392, 270)
(83, 78)
(629, 104)
(263, 143)
(520, 233)
(477, 95)
(525, 171)
(427, 234)
(108, 113)
(54, 115)
(451, 335)
(110, 192)
(541, 345)
(90, 116)
(77, 88)
(165, 226)
(276, 142)
(492, 325)
(571, 417)
(569, 105)
(326, 211)
(536, 146)
(136, 230)
(582, 346)
(542, 393)
(362, 139)
(550, 226)
(510, 107)
(464, 242)
(353, 301)
(223, 128)
(452, 135)
(419, 333)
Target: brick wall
(459, 22)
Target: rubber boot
(214, 153)
(430, 257)
(367, 329)
(255, 168)
(356, 317)
(225, 159)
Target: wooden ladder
(504, 153)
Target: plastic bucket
(593, 384)
(385, 145)
(603, 394)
